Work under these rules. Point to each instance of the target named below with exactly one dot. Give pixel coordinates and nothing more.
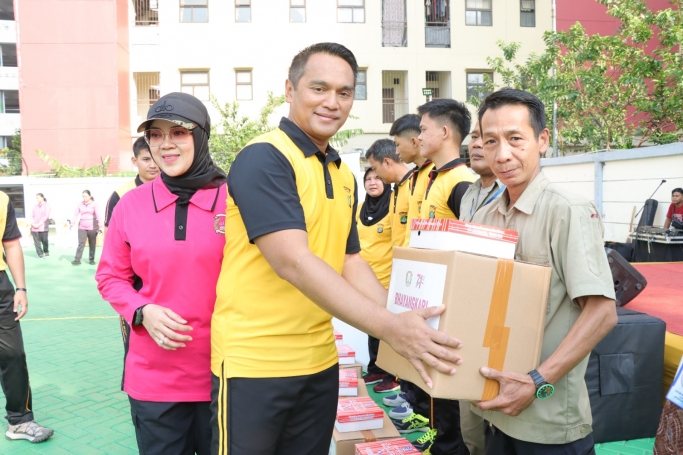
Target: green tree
(616, 91)
(10, 156)
(232, 132)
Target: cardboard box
(399, 446)
(355, 365)
(347, 355)
(348, 383)
(358, 414)
(345, 443)
(495, 307)
(456, 235)
(338, 337)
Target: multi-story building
(241, 49)
(9, 76)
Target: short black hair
(675, 190)
(298, 66)
(452, 111)
(382, 148)
(510, 96)
(139, 145)
(409, 123)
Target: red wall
(74, 80)
(592, 15)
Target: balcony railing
(437, 34)
(393, 109)
(146, 12)
(394, 34)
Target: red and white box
(348, 383)
(347, 355)
(387, 447)
(358, 414)
(338, 337)
(455, 235)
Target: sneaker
(30, 431)
(91, 262)
(401, 412)
(76, 262)
(413, 423)
(47, 254)
(41, 257)
(423, 444)
(387, 385)
(395, 400)
(374, 378)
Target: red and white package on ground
(338, 337)
(348, 383)
(387, 447)
(358, 414)
(455, 235)
(347, 355)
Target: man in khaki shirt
(558, 228)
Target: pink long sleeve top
(85, 215)
(41, 215)
(140, 251)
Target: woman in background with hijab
(41, 225)
(158, 270)
(374, 232)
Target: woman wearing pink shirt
(40, 225)
(159, 268)
(87, 217)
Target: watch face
(545, 391)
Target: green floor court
(75, 353)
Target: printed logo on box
(416, 285)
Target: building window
(146, 12)
(439, 82)
(6, 10)
(476, 84)
(10, 101)
(361, 92)
(194, 10)
(527, 13)
(478, 12)
(350, 10)
(394, 95)
(297, 10)
(244, 87)
(394, 23)
(195, 83)
(9, 55)
(242, 10)
(437, 24)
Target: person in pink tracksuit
(88, 218)
(40, 225)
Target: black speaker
(628, 282)
(648, 216)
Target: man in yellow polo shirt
(384, 160)
(291, 263)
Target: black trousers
(444, 415)
(274, 416)
(40, 242)
(13, 368)
(498, 443)
(171, 428)
(373, 347)
(91, 235)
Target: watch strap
(137, 316)
(539, 381)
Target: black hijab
(186, 110)
(375, 208)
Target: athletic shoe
(91, 262)
(41, 257)
(424, 443)
(76, 262)
(395, 400)
(47, 254)
(374, 378)
(387, 385)
(401, 412)
(413, 423)
(30, 431)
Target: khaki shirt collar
(527, 201)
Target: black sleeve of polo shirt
(113, 200)
(263, 185)
(455, 198)
(12, 231)
(353, 242)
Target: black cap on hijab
(186, 110)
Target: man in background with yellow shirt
(291, 263)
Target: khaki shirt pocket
(533, 258)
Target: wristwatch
(137, 317)
(544, 390)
